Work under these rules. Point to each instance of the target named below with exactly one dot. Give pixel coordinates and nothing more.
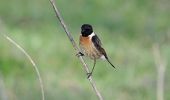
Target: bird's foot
(79, 54)
(89, 74)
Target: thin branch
(32, 62)
(161, 67)
(58, 15)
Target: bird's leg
(89, 74)
(79, 54)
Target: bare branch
(161, 67)
(32, 62)
(58, 15)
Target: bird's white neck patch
(91, 35)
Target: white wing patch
(103, 57)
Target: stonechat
(91, 46)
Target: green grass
(128, 30)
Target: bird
(91, 46)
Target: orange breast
(85, 41)
(88, 48)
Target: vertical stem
(3, 92)
(161, 66)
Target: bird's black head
(86, 30)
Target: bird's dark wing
(97, 43)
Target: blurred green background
(127, 28)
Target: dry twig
(58, 15)
(32, 62)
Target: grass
(127, 30)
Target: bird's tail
(110, 63)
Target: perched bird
(90, 45)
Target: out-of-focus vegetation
(127, 28)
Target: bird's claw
(79, 54)
(89, 74)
